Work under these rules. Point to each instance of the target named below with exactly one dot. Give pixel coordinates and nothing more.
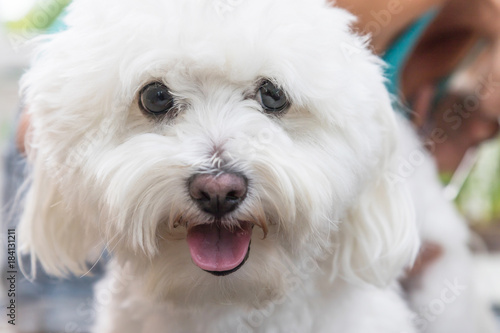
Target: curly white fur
(105, 176)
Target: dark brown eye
(156, 99)
(272, 98)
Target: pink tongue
(217, 249)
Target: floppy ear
(50, 231)
(379, 236)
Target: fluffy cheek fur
(107, 176)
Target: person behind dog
(424, 42)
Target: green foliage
(479, 199)
(40, 17)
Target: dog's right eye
(156, 99)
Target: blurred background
(50, 307)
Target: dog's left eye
(272, 98)
(156, 99)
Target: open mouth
(219, 250)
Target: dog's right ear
(50, 231)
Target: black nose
(218, 194)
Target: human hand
(429, 253)
(469, 113)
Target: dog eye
(156, 99)
(272, 98)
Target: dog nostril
(204, 196)
(232, 196)
(218, 194)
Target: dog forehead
(242, 35)
(169, 10)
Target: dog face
(209, 146)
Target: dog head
(211, 146)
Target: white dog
(237, 160)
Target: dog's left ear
(379, 236)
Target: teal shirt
(399, 52)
